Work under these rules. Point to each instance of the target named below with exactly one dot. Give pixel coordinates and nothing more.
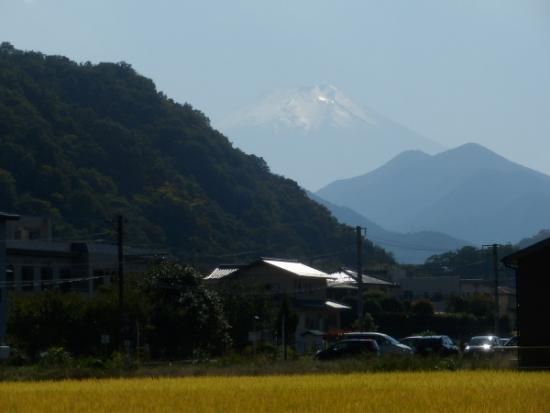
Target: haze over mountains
(468, 192)
(408, 248)
(315, 135)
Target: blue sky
(455, 71)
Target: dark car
(348, 348)
(428, 345)
(509, 350)
(481, 345)
(512, 342)
(387, 344)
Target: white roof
(222, 271)
(345, 276)
(297, 268)
(293, 267)
(335, 305)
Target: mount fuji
(316, 135)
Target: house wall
(276, 283)
(534, 310)
(29, 228)
(3, 295)
(39, 265)
(270, 280)
(435, 289)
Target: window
(312, 322)
(10, 277)
(99, 278)
(27, 278)
(46, 278)
(64, 275)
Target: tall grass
(449, 392)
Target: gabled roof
(293, 267)
(223, 271)
(515, 258)
(346, 277)
(8, 217)
(296, 268)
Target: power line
(29, 283)
(408, 246)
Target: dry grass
(462, 391)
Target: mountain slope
(82, 142)
(410, 248)
(317, 134)
(468, 192)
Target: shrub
(56, 357)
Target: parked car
(427, 345)
(387, 344)
(512, 342)
(348, 348)
(503, 340)
(508, 352)
(481, 345)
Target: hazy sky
(455, 71)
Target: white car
(387, 344)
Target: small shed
(532, 266)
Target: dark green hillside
(84, 142)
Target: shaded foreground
(501, 391)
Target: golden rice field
(445, 392)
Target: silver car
(480, 345)
(387, 344)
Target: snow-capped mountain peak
(317, 134)
(307, 109)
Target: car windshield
(392, 340)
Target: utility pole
(495, 269)
(4, 287)
(360, 311)
(120, 240)
(283, 332)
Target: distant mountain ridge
(410, 248)
(317, 134)
(468, 192)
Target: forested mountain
(468, 192)
(83, 142)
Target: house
(34, 261)
(342, 285)
(532, 266)
(435, 289)
(4, 220)
(304, 286)
(506, 295)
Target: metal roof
(337, 306)
(296, 268)
(8, 217)
(223, 271)
(344, 277)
